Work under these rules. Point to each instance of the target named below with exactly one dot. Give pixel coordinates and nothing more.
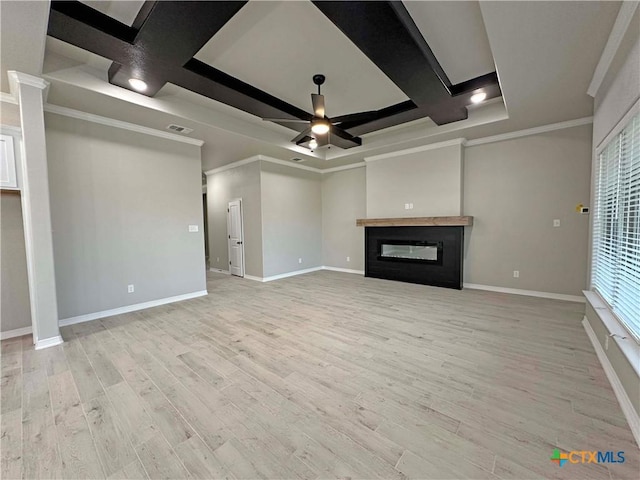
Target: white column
(30, 91)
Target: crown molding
(277, 161)
(110, 122)
(423, 148)
(351, 166)
(623, 20)
(232, 165)
(530, 131)
(449, 143)
(264, 158)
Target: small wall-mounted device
(584, 210)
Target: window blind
(616, 226)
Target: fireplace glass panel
(410, 251)
(417, 252)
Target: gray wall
(241, 182)
(9, 114)
(343, 201)
(431, 180)
(515, 189)
(620, 89)
(121, 204)
(291, 219)
(617, 94)
(15, 311)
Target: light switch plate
(193, 228)
(556, 222)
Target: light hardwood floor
(325, 375)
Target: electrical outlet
(411, 206)
(516, 274)
(193, 228)
(348, 259)
(406, 206)
(130, 288)
(299, 260)
(556, 222)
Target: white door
(236, 238)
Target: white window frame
(609, 318)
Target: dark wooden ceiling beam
(385, 32)
(160, 46)
(171, 34)
(84, 27)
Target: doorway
(235, 232)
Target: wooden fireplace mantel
(416, 222)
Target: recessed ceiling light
(320, 126)
(313, 144)
(478, 97)
(137, 84)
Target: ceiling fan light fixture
(313, 144)
(320, 126)
(478, 97)
(138, 84)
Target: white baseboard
(49, 342)
(219, 270)
(255, 279)
(529, 293)
(18, 332)
(343, 270)
(623, 399)
(129, 308)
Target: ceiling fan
(322, 130)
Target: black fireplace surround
(426, 255)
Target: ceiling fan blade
(343, 139)
(285, 120)
(318, 105)
(301, 136)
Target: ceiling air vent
(178, 129)
(298, 160)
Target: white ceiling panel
(279, 46)
(123, 11)
(456, 34)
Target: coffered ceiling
(544, 54)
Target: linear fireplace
(430, 255)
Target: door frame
(242, 269)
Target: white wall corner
(621, 394)
(623, 20)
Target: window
(616, 226)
